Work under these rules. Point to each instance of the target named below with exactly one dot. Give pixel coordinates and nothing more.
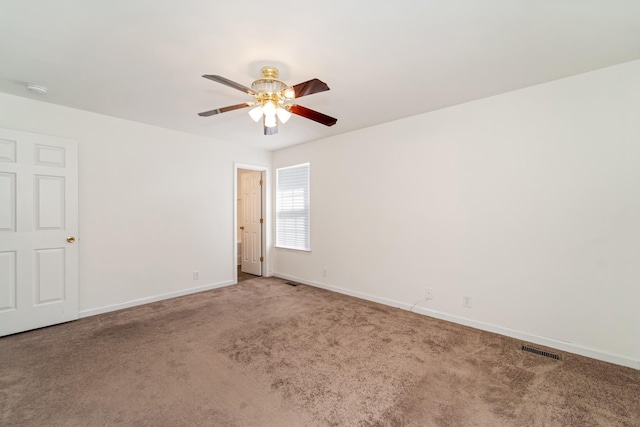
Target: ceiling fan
(274, 100)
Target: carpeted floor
(263, 353)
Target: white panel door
(38, 228)
(251, 224)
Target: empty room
(358, 213)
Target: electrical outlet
(196, 275)
(466, 301)
(325, 272)
(428, 293)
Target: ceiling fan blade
(310, 87)
(312, 115)
(269, 130)
(230, 83)
(225, 109)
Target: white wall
(529, 202)
(155, 204)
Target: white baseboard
(147, 300)
(524, 336)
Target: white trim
(530, 338)
(156, 298)
(266, 214)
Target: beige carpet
(263, 353)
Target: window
(292, 207)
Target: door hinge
(261, 259)
(261, 220)
(261, 182)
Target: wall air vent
(541, 352)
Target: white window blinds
(292, 207)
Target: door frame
(266, 215)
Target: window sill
(292, 249)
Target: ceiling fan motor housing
(269, 83)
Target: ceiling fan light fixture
(256, 113)
(283, 115)
(269, 109)
(289, 93)
(270, 121)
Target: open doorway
(250, 221)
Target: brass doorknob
(71, 239)
(242, 227)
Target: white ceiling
(142, 60)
